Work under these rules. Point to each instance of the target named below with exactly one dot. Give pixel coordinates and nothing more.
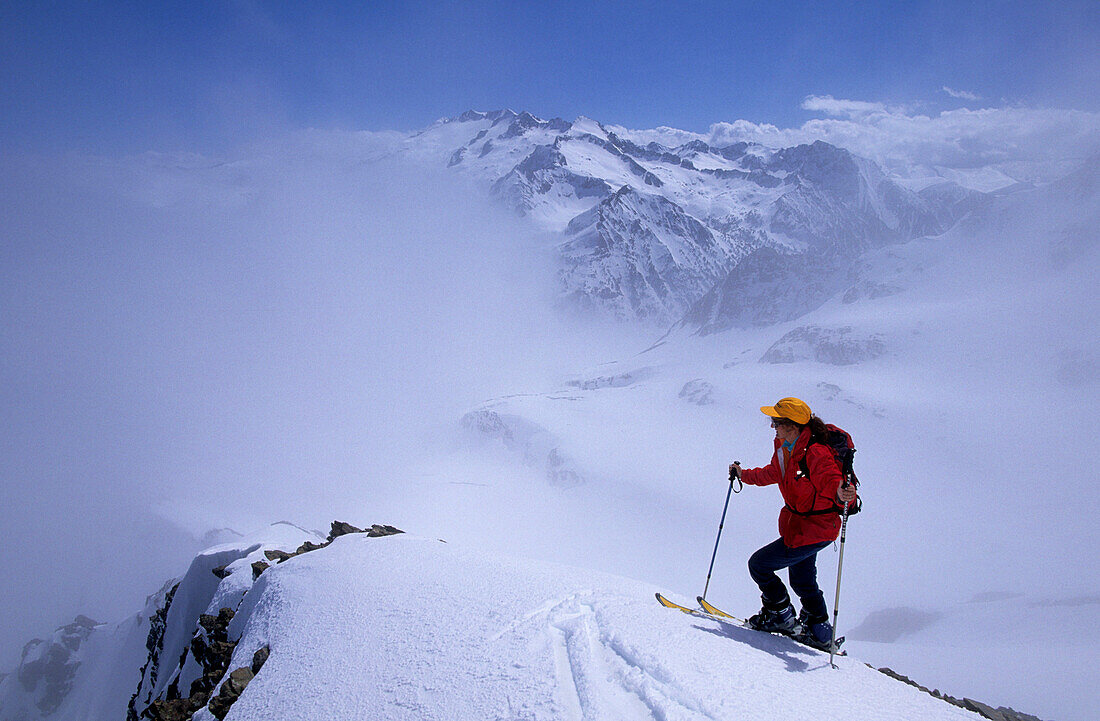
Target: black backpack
(840, 443)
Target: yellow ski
(669, 604)
(715, 611)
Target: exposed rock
(154, 643)
(560, 470)
(698, 391)
(340, 528)
(180, 709)
(47, 668)
(649, 252)
(230, 691)
(260, 658)
(212, 650)
(307, 547)
(276, 555)
(203, 662)
(987, 711)
(1002, 713)
(835, 346)
(376, 530)
(545, 172)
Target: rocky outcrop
(230, 691)
(698, 392)
(1001, 713)
(154, 644)
(198, 675)
(47, 668)
(212, 650)
(834, 346)
(339, 528)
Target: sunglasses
(777, 422)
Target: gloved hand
(735, 470)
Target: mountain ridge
(279, 637)
(815, 201)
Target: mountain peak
(810, 198)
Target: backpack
(840, 443)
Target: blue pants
(802, 565)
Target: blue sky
(200, 75)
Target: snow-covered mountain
(653, 232)
(287, 625)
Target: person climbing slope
(809, 479)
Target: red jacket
(801, 493)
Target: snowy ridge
(650, 230)
(401, 627)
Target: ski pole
(839, 569)
(733, 478)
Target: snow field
(413, 628)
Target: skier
(807, 523)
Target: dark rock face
(258, 567)
(47, 669)
(154, 643)
(260, 658)
(377, 531)
(307, 547)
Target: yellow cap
(792, 408)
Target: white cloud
(839, 108)
(961, 94)
(1029, 143)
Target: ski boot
(781, 620)
(816, 632)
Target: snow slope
(415, 628)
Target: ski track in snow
(599, 678)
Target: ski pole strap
(734, 478)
